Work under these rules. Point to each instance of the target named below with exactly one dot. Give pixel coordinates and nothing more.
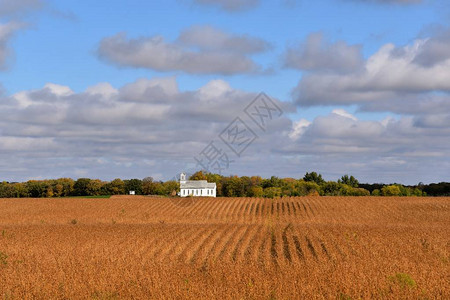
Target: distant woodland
(227, 186)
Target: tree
(272, 182)
(171, 188)
(331, 188)
(20, 190)
(81, 186)
(347, 190)
(288, 187)
(217, 178)
(117, 187)
(94, 187)
(313, 177)
(6, 190)
(304, 188)
(199, 175)
(390, 190)
(255, 191)
(233, 187)
(58, 190)
(349, 180)
(416, 192)
(68, 186)
(133, 185)
(272, 192)
(49, 193)
(437, 189)
(36, 189)
(148, 186)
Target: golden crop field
(225, 248)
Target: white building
(196, 188)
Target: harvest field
(225, 248)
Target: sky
(131, 89)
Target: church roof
(197, 184)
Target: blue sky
(62, 49)
(77, 44)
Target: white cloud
(299, 128)
(316, 54)
(115, 132)
(343, 113)
(104, 89)
(407, 80)
(389, 150)
(214, 89)
(212, 39)
(193, 52)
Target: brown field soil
(225, 248)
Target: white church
(197, 188)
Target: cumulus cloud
(435, 49)
(230, 5)
(375, 150)
(198, 50)
(316, 54)
(412, 79)
(146, 121)
(150, 127)
(212, 39)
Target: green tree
(171, 188)
(133, 185)
(147, 185)
(233, 187)
(20, 190)
(288, 187)
(417, 192)
(272, 182)
(349, 180)
(313, 177)
(304, 188)
(391, 190)
(36, 189)
(6, 190)
(331, 188)
(80, 186)
(272, 192)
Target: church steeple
(183, 178)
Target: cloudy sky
(130, 89)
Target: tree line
(227, 186)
